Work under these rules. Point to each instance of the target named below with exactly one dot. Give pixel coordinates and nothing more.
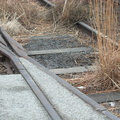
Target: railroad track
(58, 100)
(18, 62)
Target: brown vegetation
(105, 21)
(17, 16)
(69, 11)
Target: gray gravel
(51, 42)
(61, 60)
(17, 101)
(68, 105)
(64, 60)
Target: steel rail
(95, 32)
(12, 44)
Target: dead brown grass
(69, 11)
(105, 21)
(17, 16)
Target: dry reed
(17, 16)
(105, 21)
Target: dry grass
(69, 11)
(17, 16)
(108, 72)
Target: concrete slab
(67, 104)
(17, 101)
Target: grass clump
(69, 11)
(17, 17)
(105, 21)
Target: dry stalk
(105, 21)
(64, 7)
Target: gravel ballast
(60, 60)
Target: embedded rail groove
(14, 51)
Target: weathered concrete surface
(17, 101)
(67, 104)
